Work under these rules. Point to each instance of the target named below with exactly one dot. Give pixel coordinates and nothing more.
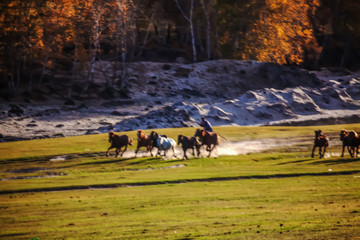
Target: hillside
(161, 95)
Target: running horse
(189, 143)
(210, 139)
(118, 142)
(163, 143)
(354, 143)
(344, 138)
(321, 141)
(144, 140)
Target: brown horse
(320, 141)
(210, 139)
(118, 142)
(189, 142)
(144, 140)
(347, 137)
(354, 140)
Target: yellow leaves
(282, 31)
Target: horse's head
(140, 134)
(198, 133)
(111, 135)
(154, 135)
(343, 134)
(318, 133)
(180, 139)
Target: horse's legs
(117, 151)
(210, 149)
(323, 154)
(158, 152)
(107, 153)
(312, 154)
(123, 151)
(353, 151)
(149, 149)
(320, 151)
(350, 150)
(198, 150)
(184, 150)
(173, 148)
(137, 149)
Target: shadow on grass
(297, 161)
(47, 158)
(94, 163)
(336, 161)
(180, 181)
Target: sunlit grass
(276, 194)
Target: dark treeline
(41, 38)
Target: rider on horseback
(205, 124)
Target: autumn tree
(282, 31)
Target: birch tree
(97, 12)
(206, 8)
(124, 25)
(189, 19)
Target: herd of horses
(163, 143)
(350, 140)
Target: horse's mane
(142, 134)
(352, 133)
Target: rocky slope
(226, 92)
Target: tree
(189, 19)
(207, 9)
(282, 31)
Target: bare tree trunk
(208, 26)
(117, 50)
(190, 20)
(123, 57)
(76, 54)
(44, 65)
(346, 50)
(198, 33)
(147, 34)
(96, 36)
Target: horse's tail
(130, 141)
(218, 139)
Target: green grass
(277, 194)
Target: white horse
(163, 143)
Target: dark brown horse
(210, 139)
(354, 140)
(320, 141)
(118, 142)
(346, 138)
(189, 142)
(144, 140)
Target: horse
(144, 140)
(163, 143)
(354, 140)
(210, 139)
(347, 141)
(320, 141)
(118, 142)
(189, 142)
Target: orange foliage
(282, 31)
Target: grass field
(67, 188)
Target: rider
(205, 124)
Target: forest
(42, 38)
